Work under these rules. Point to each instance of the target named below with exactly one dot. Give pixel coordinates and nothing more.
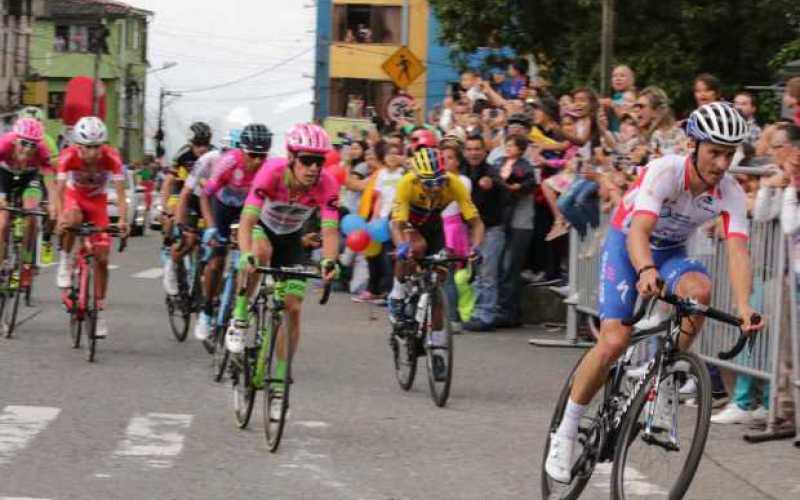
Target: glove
(209, 234)
(327, 264)
(476, 255)
(403, 251)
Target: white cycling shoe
(236, 339)
(559, 458)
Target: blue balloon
(352, 222)
(379, 230)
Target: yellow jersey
(412, 203)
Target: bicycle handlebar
(692, 307)
(283, 273)
(24, 211)
(85, 230)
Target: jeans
(580, 205)
(451, 291)
(380, 271)
(486, 286)
(513, 261)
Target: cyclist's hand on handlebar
(330, 269)
(247, 263)
(475, 255)
(748, 316)
(650, 283)
(124, 229)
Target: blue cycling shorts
(618, 277)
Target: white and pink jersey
(40, 160)
(231, 179)
(283, 212)
(662, 190)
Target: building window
(355, 23)
(55, 105)
(75, 37)
(135, 31)
(359, 98)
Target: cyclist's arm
(166, 190)
(119, 186)
(740, 272)
(476, 231)
(183, 204)
(329, 221)
(400, 212)
(247, 222)
(638, 240)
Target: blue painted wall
(322, 73)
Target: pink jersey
(230, 179)
(284, 213)
(40, 160)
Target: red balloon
(78, 100)
(332, 157)
(358, 240)
(338, 172)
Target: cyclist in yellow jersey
(417, 229)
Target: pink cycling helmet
(308, 138)
(29, 129)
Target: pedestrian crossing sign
(403, 67)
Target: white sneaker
(760, 414)
(101, 328)
(234, 340)
(170, 278)
(664, 405)
(202, 329)
(689, 388)
(732, 414)
(64, 273)
(559, 458)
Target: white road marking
(156, 438)
(111, 267)
(149, 274)
(19, 425)
(312, 424)
(634, 481)
(22, 498)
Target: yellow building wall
(364, 60)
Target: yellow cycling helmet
(427, 163)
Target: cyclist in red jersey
(84, 169)
(24, 160)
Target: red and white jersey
(90, 182)
(662, 190)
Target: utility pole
(99, 39)
(130, 88)
(607, 44)
(159, 137)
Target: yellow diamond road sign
(403, 67)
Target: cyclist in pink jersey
(282, 198)
(24, 163)
(223, 196)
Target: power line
(253, 98)
(250, 76)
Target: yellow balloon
(374, 249)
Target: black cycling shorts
(20, 184)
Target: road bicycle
(16, 276)
(256, 368)
(653, 434)
(80, 299)
(189, 300)
(411, 337)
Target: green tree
(666, 43)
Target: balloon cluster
(364, 237)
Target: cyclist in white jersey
(670, 200)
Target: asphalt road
(146, 421)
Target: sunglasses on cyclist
(433, 183)
(309, 160)
(256, 156)
(90, 146)
(28, 144)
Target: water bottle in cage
(422, 306)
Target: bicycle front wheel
(179, 317)
(664, 433)
(13, 294)
(439, 349)
(276, 390)
(244, 394)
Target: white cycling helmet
(90, 131)
(719, 123)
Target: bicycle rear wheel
(90, 316)
(440, 355)
(276, 389)
(178, 307)
(664, 459)
(591, 438)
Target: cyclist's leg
(262, 252)
(687, 278)
(6, 181)
(31, 199)
(402, 269)
(95, 210)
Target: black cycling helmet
(200, 134)
(256, 138)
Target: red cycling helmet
(29, 129)
(423, 138)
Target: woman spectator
(707, 89)
(623, 82)
(518, 178)
(791, 98)
(558, 184)
(658, 125)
